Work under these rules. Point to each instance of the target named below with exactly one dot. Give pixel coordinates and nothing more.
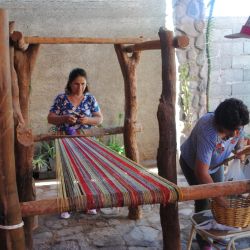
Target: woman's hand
(70, 119)
(84, 120)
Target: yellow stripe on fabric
(144, 191)
(102, 194)
(160, 179)
(75, 188)
(142, 170)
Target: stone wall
(230, 76)
(100, 18)
(189, 20)
(230, 59)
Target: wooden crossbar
(81, 40)
(97, 132)
(50, 206)
(178, 42)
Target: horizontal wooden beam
(81, 40)
(148, 45)
(97, 132)
(178, 42)
(51, 206)
(204, 191)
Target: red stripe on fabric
(118, 193)
(132, 192)
(127, 185)
(89, 195)
(164, 189)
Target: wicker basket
(236, 215)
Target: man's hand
(221, 201)
(239, 155)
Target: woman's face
(78, 85)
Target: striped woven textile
(93, 176)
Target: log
(15, 89)
(80, 40)
(180, 42)
(128, 68)
(24, 62)
(10, 213)
(52, 206)
(149, 45)
(97, 132)
(18, 40)
(166, 155)
(205, 191)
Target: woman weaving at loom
(215, 136)
(75, 109)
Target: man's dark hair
(231, 114)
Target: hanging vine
(208, 46)
(185, 95)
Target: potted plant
(43, 161)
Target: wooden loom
(17, 200)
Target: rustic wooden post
(24, 63)
(128, 67)
(18, 117)
(10, 213)
(166, 156)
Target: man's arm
(203, 177)
(201, 172)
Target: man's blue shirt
(205, 144)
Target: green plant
(116, 146)
(41, 159)
(40, 163)
(114, 141)
(49, 149)
(185, 95)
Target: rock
(110, 240)
(195, 9)
(203, 72)
(199, 25)
(110, 211)
(56, 224)
(66, 245)
(179, 12)
(42, 246)
(69, 231)
(200, 42)
(113, 222)
(191, 54)
(142, 236)
(187, 26)
(203, 100)
(43, 236)
(200, 58)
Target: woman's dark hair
(72, 76)
(231, 114)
